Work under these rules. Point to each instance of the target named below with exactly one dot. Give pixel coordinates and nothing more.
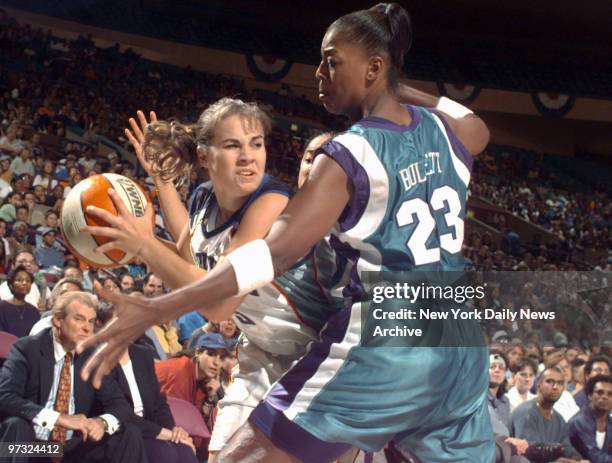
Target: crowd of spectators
(535, 194)
(51, 87)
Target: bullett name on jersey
(417, 172)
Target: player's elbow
(477, 135)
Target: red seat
(187, 416)
(6, 343)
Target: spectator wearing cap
(16, 315)
(196, 378)
(500, 337)
(23, 164)
(499, 405)
(591, 430)
(46, 253)
(596, 365)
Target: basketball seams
(93, 191)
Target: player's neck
(384, 104)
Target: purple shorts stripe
(268, 415)
(358, 177)
(458, 147)
(295, 440)
(283, 393)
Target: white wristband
(452, 108)
(252, 265)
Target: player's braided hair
(171, 147)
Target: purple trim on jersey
(359, 179)
(385, 124)
(353, 288)
(293, 438)
(458, 147)
(268, 415)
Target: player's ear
(202, 156)
(375, 68)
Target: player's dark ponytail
(385, 28)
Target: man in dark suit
(42, 396)
(164, 442)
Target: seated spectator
(23, 164)
(126, 282)
(47, 254)
(196, 378)
(499, 405)
(537, 422)
(42, 396)
(591, 429)
(63, 286)
(166, 334)
(38, 293)
(46, 179)
(164, 442)
(8, 211)
(578, 375)
(87, 161)
(515, 352)
(596, 365)
(6, 173)
(524, 376)
(9, 143)
(20, 238)
(16, 315)
(566, 405)
(5, 187)
(188, 324)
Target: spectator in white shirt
(524, 376)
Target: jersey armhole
(358, 177)
(455, 144)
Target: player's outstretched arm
(467, 126)
(307, 219)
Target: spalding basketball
(93, 191)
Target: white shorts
(257, 371)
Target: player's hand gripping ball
(93, 191)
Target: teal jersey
(408, 203)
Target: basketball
(93, 191)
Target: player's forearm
(174, 212)
(173, 270)
(411, 95)
(214, 291)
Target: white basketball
(94, 191)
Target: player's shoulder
(270, 184)
(200, 196)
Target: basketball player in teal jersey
(392, 190)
